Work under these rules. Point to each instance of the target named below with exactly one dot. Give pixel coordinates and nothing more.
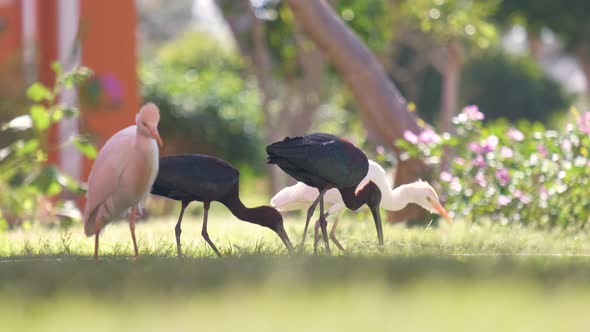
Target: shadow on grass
(121, 276)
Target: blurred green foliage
(467, 21)
(570, 21)
(25, 178)
(512, 87)
(502, 85)
(208, 103)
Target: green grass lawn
(450, 278)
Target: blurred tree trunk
(583, 57)
(450, 93)
(313, 71)
(262, 69)
(299, 96)
(379, 100)
(450, 85)
(534, 44)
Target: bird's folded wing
(324, 159)
(108, 167)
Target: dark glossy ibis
(325, 161)
(193, 177)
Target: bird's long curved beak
(378, 224)
(283, 235)
(441, 210)
(156, 136)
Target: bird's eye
(429, 199)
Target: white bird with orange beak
(122, 174)
(300, 195)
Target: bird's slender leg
(97, 224)
(324, 225)
(333, 234)
(178, 230)
(132, 229)
(316, 234)
(310, 214)
(204, 230)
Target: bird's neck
(349, 198)
(237, 208)
(395, 199)
(369, 194)
(143, 140)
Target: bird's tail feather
(90, 222)
(276, 151)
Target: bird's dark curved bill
(283, 235)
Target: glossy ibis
(297, 196)
(122, 174)
(325, 161)
(194, 177)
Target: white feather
(300, 195)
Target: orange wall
(10, 32)
(47, 53)
(108, 39)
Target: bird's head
(147, 122)
(271, 218)
(422, 193)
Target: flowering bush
(509, 173)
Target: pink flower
(542, 150)
(490, 144)
(112, 86)
(515, 134)
(472, 112)
(446, 176)
(525, 199)
(456, 185)
(380, 149)
(410, 137)
(566, 145)
(503, 176)
(459, 161)
(504, 200)
(480, 179)
(475, 147)
(428, 136)
(480, 162)
(543, 193)
(506, 152)
(584, 123)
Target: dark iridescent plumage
(326, 161)
(194, 177)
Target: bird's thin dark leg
(316, 234)
(324, 225)
(204, 230)
(310, 214)
(96, 234)
(333, 234)
(178, 230)
(132, 229)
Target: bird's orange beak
(156, 136)
(441, 210)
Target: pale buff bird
(300, 195)
(122, 174)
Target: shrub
(25, 177)
(207, 104)
(509, 174)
